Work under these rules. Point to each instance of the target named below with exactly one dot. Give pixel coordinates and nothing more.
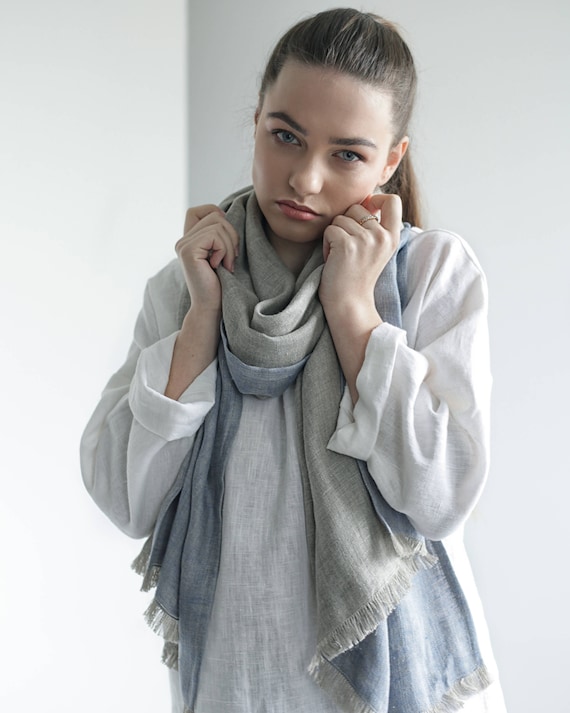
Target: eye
(285, 137)
(350, 156)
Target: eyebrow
(288, 120)
(337, 141)
(356, 141)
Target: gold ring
(368, 217)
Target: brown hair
(370, 49)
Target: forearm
(129, 470)
(351, 323)
(135, 441)
(421, 421)
(195, 348)
(209, 242)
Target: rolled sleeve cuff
(156, 412)
(357, 427)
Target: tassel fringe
(407, 547)
(170, 655)
(150, 579)
(365, 620)
(334, 683)
(340, 690)
(161, 622)
(464, 689)
(157, 619)
(140, 563)
(141, 566)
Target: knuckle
(197, 213)
(178, 247)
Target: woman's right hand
(209, 241)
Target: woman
(301, 424)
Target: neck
(293, 255)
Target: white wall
(92, 184)
(491, 141)
(92, 198)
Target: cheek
(256, 172)
(355, 189)
(261, 170)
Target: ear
(256, 119)
(257, 114)
(396, 154)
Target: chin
(294, 231)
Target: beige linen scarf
(364, 556)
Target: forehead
(324, 100)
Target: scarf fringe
(363, 622)
(407, 547)
(338, 688)
(150, 579)
(334, 683)
(141, 566)
(140, 563)
(161, 622)
(170, 655)
(462, 690)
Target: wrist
(351, 323)
(352, 315)
(202, 316)
(195, 348)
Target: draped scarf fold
(393, 629)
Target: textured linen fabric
(376, 578)
(420, 423)
(262, 631)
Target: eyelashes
(350, 156)
(288, 138)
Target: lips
(296, 211)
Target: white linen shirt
(420, 423)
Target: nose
(307, 176)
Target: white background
(96, 133)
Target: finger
(223, 253)
(354, 219)
(326, 246)
(369, 206)
(365, 216)
(204, 240)
(349, 222)
(218, 224)
(390, 207)
(216, 219)
(198, 213)
(227, 252)
(204, 232)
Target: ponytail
(404, 183)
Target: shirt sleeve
(136, 439)
(421, 421)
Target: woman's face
(323, 142)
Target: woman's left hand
(356, 252)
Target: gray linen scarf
(377, 581)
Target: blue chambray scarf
(394, 633)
